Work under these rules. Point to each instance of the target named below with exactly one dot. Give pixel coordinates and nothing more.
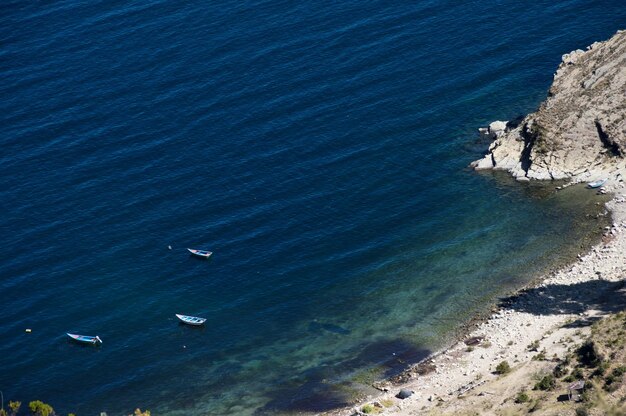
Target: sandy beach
(547, 317)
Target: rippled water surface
(318, 148)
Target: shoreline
(558, 304)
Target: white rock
(484, 163)
(497, 128)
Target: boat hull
(191, 320)
(203, 254)
(85, 339)
(596, 184)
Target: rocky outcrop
(579, 130)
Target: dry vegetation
(600, 361)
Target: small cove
(320, 150)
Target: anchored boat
(85, 339)
(200, 253)
(190, 320)
(597, 183)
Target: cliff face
(579, 130)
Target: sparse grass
(599, 359)
(386, 402)
(533, 346)
(535, 405)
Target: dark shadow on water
(317, 392)
(392, 355)
(185, 326)
(318, 327)
(82, 345)
(312, 396)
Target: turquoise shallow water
(320, 150)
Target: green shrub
(588, 354)
(601, 369)
(522, 397)
(586, 396)
(533, 346)
(503, 368)
(368, 409)
(40, 408)
(546, 383)
(612, 381)
(560, 370)
(577, 373)
(15, 407)
(619, 371)
(611, 387)
(582, 411)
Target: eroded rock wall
(579, 129)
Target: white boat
(597, 183)
(205, 254)
(85, 339)
(191, 320)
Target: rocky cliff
(579, 131)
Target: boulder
(572, 57)
(404, 394)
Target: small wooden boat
(597, 183)
(85, 339)
(190, 320)
(200, 253)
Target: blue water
(318, 148)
